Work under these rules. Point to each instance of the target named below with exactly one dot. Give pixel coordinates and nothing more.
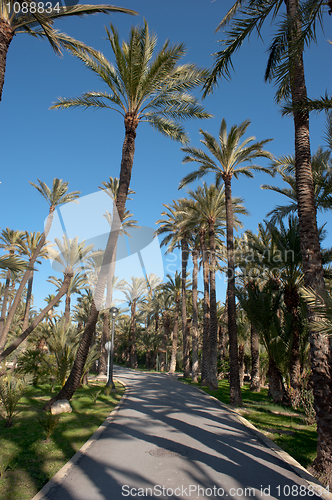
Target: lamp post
(114, 311)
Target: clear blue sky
(84, 147)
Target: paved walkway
(168, 440)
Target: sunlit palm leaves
(152, 88)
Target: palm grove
(275, 320)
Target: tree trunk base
(322, 471)
(255, 385)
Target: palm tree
(70, 255)
(177, 236)
(151, 307)
(78, 282)
(276, 255)
(10, 240)
(173, 289)
(229, 156)
(143, 87)
(322, 179)
(14, 345)
(194, 329)
(286, 67)
(263, 307)
(165, 300)
(62, 343)
(56, 196)
(287, 241)
(18, 18)
(243, 327)
(255, 382)
(27, 246)
(133, 292)
(209, 211)
(111, 188)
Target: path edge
(282, 454)
(58, 478)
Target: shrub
(11, 391)
(49, 423)
(307, 403)
(32, 361)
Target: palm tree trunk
(234, 379)
(18, 341)
(241, 364)
(5, 301)
(195, 364)
(292, 301)
(128, 151)
(127, 160)
(255, 384)
(166, 325)
(67, 309)
(6, 36)
(175, 337)
(74, 379)
(186, 340)
(102, 364)
(28, 302)
(133, 353)
(213, 382)
(276, 385)
(206, 311)
(223, 331)
(20, 289)
(320, 348)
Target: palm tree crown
(58, 194)
(38, 22)
(228, 155)
(143, 88)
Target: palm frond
(318, 105)
(249, 18)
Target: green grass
(28, 461)
(283, 425)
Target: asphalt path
(169, 440)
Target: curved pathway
(168, 440)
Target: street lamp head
(114, 311)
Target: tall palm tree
(209, 210)
(296, 29)
(10, 240)
(29, 17)
(78, 282)
(70, 255)
(157, 92)
(144, 87)
(322, 179)
(263, 307)
(173, 289)
(287, 241)
(27, 246)
(133, 292)
(111, 188)
(228, 157)
(177, 236)
(55, 196)
(194, 328)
